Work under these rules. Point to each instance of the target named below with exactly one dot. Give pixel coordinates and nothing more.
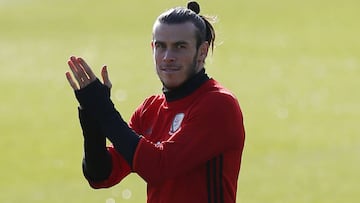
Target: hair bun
(194, 6)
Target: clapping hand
(83, 74)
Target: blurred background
(292, 64)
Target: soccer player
(187, 142)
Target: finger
(80, 73)
(74, 70)
(105, 77)
(87, 69)
(71, 81)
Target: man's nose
(169, 56)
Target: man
(186, 143)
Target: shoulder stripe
(208, 177)
(215, 181)
(214, 170)
(221, 188)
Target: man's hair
(204, 30)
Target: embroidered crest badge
(176, 123)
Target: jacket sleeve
(120, 169)
(213, 127)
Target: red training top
(190, 150)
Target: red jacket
(190, 150)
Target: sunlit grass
(293, 66)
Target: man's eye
(181, 46)
(159, 46)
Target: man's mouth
(170, 69)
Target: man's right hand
(83, 74)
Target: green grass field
(292, 64)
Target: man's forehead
(184, 32)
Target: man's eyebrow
(181, 43)
(158, 42)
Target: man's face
(175, 54)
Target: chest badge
(176, 123)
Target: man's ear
(152, 45)
(203, 51)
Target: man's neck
(187, 87)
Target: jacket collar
(187, 87)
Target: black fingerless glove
(95, 99)
(96, 163)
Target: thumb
(105, 77)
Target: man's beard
(191, 72)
